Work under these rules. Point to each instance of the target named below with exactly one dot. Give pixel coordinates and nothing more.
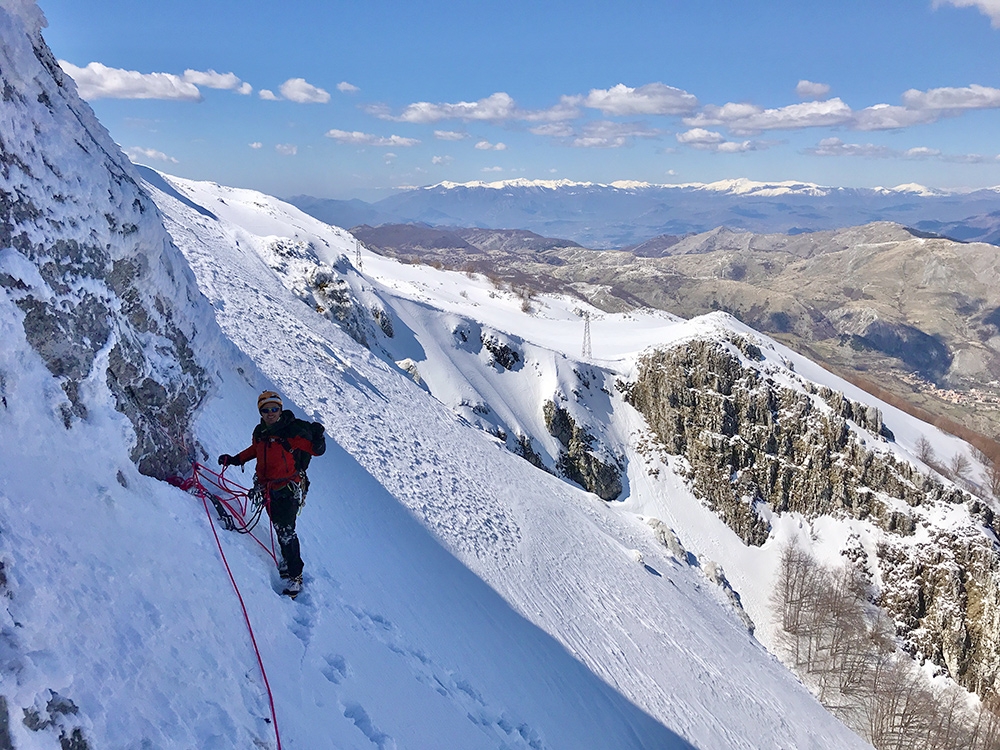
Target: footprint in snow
(356, 713)
(495, 722)
(335, 669)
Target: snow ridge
(736, 186)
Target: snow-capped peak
(505, 184)
(743, 186)
(921, 190)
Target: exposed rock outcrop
(752, 443)
(577, 461)
(945, 598)
(502, 353)
(103, 292)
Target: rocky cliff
(757, 440)
(106, 299)
(577, 460)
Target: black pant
(283, 509)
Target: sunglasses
(270, 410)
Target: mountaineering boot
(293, 586)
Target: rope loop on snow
(239, 508)
(234, 502)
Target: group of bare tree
(844, 648)
(992, 467)
(959, 467)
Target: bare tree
(959, 467)
(994, 479)
(801, 582)
(985, 729)
(981, 456)
(925, 451)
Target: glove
(226, 460)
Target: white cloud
(698, 137)
(567, 109)
(891, 117)
(487, 146)
(98, 81)
(496, 107)
(357, 138)
(347, 88)
(989, 8)
(553, 130)
(268, 95)
(651, 99)
(299, 91)
(709, 140)
(607, 134)
(450, 135)
(737, 147)
(256, 145)
(441, 160)
(836, 147)
(287, 149)
(968, 97)
(810, 90)
(970, 158)
(921, 152)
(381, 111)
(746, 119)
(211, 79)
(137, 154)
(492, 169)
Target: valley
(918, 315)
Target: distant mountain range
(623, 214)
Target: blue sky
(339, 99)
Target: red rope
(194, 483)
(233, 497)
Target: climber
(282, 446)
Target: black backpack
(314, 432)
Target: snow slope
(656, 631)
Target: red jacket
(272, 448)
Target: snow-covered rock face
(104, 295)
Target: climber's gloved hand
(226, 460)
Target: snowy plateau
(460, 590)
